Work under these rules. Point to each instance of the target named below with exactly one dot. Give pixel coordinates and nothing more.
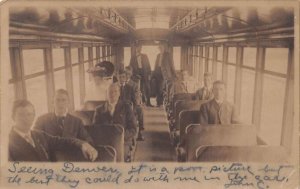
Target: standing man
(141, 68)
(61, 122)
(32, 145)
(205, 93)
(164, 71)
(218, 110)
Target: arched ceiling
(144, 23)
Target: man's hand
(89, 151)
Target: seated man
(115, 111)
(218, 110)
(127, 91)
(205, 93)
(215, 111)
(60, 122)
(32, 145)
(176, 86)
(138, 108)
(188, 82)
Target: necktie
(110, 109)
(29, 139)
(61, 121)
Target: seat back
(257, 154)
(92, 104)
(185, 105)
(224, 135)
(105, 154)
(181, 96)
(187, 117)
(112, 135)
(85, 115)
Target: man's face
(113, 94)
(61, 102)
(207, 81)
(219, 91)
(122, 78)
(24, 117)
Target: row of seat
(212, 143)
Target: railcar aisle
(157, 145)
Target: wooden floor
(157, 145)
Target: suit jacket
(129, 94)
(123, 115)
(166, 70)
(146, 68)
(73, 127)
(212, 113)
(45, 145)
(136, 90)
(200, 94)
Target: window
(232, 55)
(107, 53)
(37, 94)
(272, 109)
(249, 57)
(176, 57)
(247, 96)
(230, 83)
(74, 55)
(127, 55)
(277, 60)
(85, 53)
(210, 62)
(88, 77)
(76, 87)
(210, 52)
(94, 55)
(103, 48)
(219, 70)
(60, 79)
(58, 57)
(220, 53)
(33, 61)
(100, 53)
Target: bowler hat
(104, 69)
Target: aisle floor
(157, 145)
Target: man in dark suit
(218, 110)
(61, 122)
(33, 145)
(128, 92)
(164, 71)
(116, 111)
(205, 93)
(141, 68)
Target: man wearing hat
(141, 68)
(102, 77)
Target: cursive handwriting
(73, 175)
